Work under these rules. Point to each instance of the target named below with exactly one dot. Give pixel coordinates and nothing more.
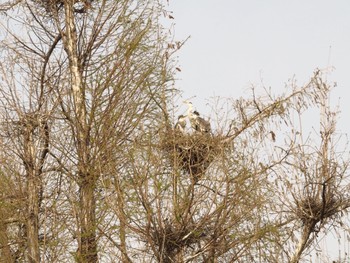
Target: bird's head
(190, 106)
(187, 102)
(196, 113)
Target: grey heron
(197, 122)
(181, 123)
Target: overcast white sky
(236, 43)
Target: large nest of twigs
(192, 153)
(314, 209)
(171, 238)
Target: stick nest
(192, 153)
(314, 209)
(172, 237)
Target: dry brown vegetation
(92, 169)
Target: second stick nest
(313, 209)
(172, 237)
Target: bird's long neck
(190, 110)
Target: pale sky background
(237, 43)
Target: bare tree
(94, 169)
(205, 198)
(315, 193)
(25, 133)
(105, 65)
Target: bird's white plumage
(197, 122)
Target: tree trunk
(304, 239)
(122, 220)
(88, 243)
(32, 219)
(33, 199)
(87, 250)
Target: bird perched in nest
(181, 123)
(197, 122)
